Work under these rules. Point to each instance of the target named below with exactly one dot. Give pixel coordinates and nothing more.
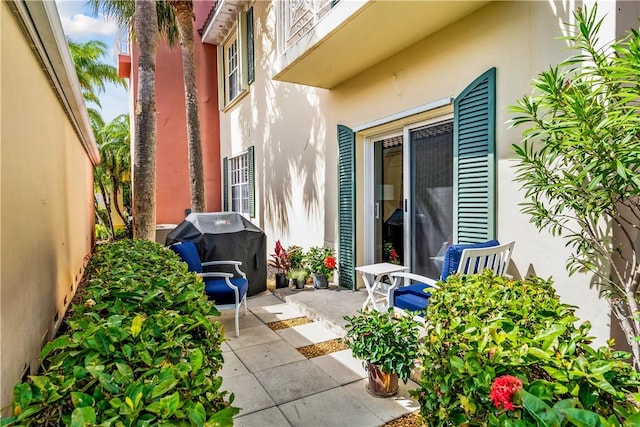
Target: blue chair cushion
(217, 290)
(454, 253)
(412, 298)
(188, 252)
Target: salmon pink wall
(172, 167)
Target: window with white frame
(240, 183)
(236, 68)
(232, 68)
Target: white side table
(377, 290)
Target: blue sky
(81, 25)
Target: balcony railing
(300, 16)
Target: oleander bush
(139, 350)
(480, 328)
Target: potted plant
(321, 262)
(297, 278)
(387, 345)
(281, 261)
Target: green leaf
(80, 400)
(539, 410)
(632, 421)
(164, 387)
(196, 360)
(197, 414)
(80, 417)
(582, 417)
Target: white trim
(369, 177)
(404, 114)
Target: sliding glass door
(430, 165)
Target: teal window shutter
(252, 182)
(225, 184)
(251, 65)
(474, 160)
(346, 207)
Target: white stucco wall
(294, 128)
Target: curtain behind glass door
(431, 194)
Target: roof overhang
(221, 19)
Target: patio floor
(275, 385)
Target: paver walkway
(276, 386)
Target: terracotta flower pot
(381, 384)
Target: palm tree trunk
(115, 184)
(184, 17)
(144, 155)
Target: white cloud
(79, 25)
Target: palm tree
(115, 152)
(175, 20)
(144, 162)
(184, 17)
(93, 74)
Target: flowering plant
(280, 259)
(503, 390)
(390, 254)
(320, 260)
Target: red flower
(393, 255)
(279, 248)
(502, 391)
(330, 262)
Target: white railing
(298, 17)
(121, 45)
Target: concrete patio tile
(262, 300)
(253, 336)
(225, 346)
(388, 408)
(270, 417)
(341, 366)
(250, 396)
(311, 333)
(232, 365)
(329, 408)
(268, 355)
(273, 313)
(294, 381)
(228, 320)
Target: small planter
(320, 281)
(381, 384)
(281, 281)
(297, 284)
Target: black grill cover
(227, 236)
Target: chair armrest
(236, 264)
(208, 263)
(216, 274)
(418, 278)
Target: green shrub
(140, 350)
(483, 327)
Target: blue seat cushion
(454, 253)
(188, 252)
(217, 290)
(412, 298)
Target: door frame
(403, 129)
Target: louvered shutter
(346, 207)
(252, 182)
(474, 161)
(221, 78)
(251, 67)
(225, 184)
